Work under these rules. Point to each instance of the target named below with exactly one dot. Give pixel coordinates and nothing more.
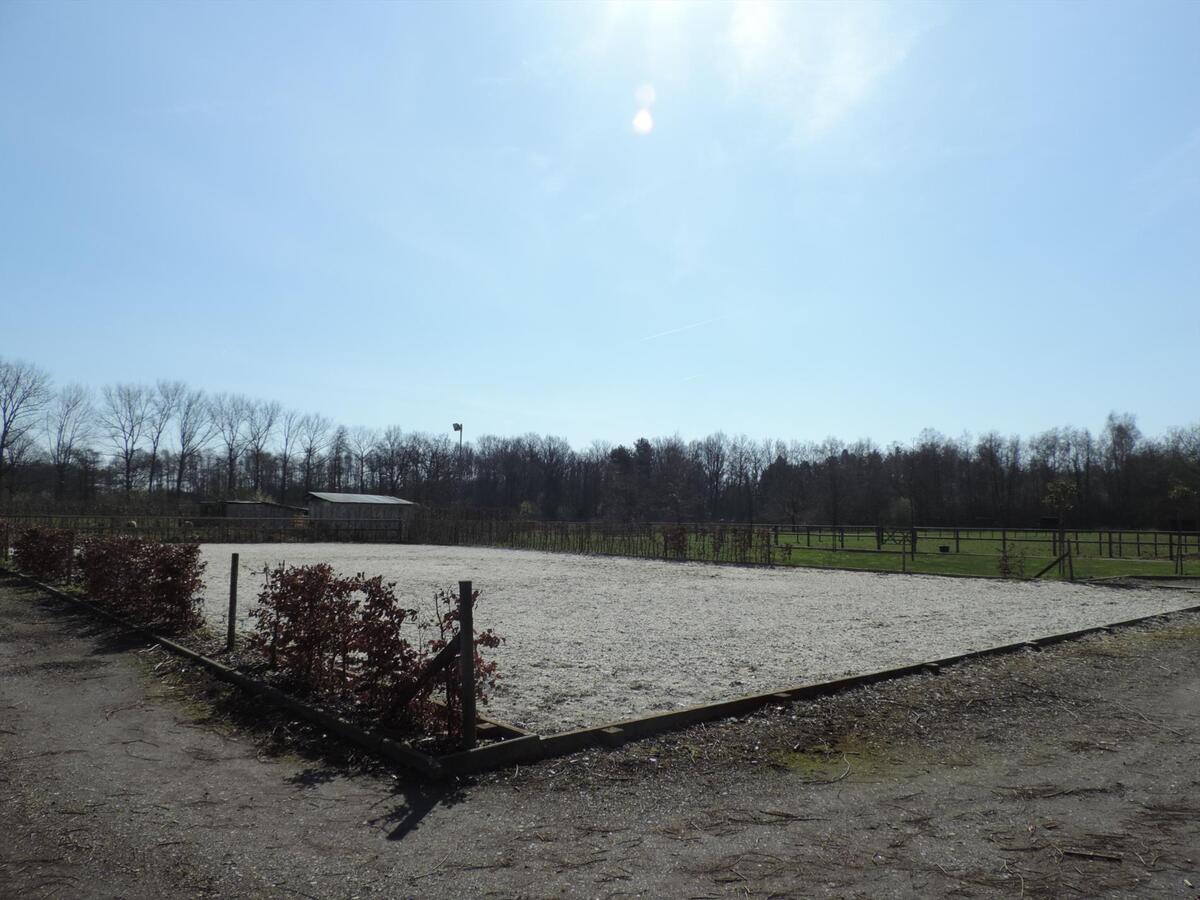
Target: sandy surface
(595, 639)
(125, 772)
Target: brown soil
(1070, 772)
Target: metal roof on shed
(264, 503)
(359, 498)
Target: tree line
(170, 446)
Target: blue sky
(604, 221)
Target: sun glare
(643, 122)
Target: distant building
(261, 509)
(327, 506)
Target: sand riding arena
(597, 639)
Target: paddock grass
(1095, 554)
(976, 564)
(970, 551)
(1124, 545)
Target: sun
(643, 122)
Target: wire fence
(699, 542)
(220, 529)
(1103, 543)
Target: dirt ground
(1070, 772)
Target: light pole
(458, 427)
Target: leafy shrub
(45, 553)
(675, 542)
(305, 625)
(351, 640)
(389, 662)
(1009, 563)
(486, 673)
(153, 584)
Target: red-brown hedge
(46, 554)
(351, 640)
(153, 584)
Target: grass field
(974, 564)
(977, 552)
(1115, 544)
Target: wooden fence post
(233, 578)
(466, 662)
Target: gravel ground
(595, 639)
(1071, 772)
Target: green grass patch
(974, 564)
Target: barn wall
(259, 511)
(359, 512)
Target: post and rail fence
(762, 544)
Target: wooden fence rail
(702, 542)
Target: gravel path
(595, 639)
(123, 773)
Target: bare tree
(1119, 441)
(392, 463)
(163, 403)
(23, 449)
(24, 393)
(362, 443)
(123, 417)
(314, 435)
(228, 415)
(335, 465)
(193, 430)
(670, 475)
(68, 427)
(261, 416)
(713, 453)
(290, 435)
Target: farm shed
(335, 507)
(261, 509)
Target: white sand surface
(595, 639)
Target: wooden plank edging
(529, 748)
(612, 734)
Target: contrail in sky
(683, 328)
